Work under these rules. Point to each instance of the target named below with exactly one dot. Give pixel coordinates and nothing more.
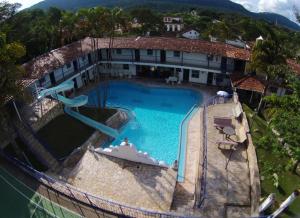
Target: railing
(180, 176)
(95, 202)
(202, 181)
(179, 63)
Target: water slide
(76, 102)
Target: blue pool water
(158, 113)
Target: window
(125, 67)
(176, 53)
(149, 52)
(119, 51)
(68, 65)
(195, 74)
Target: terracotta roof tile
(294, 65)
(247, 82)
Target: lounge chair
(171, 79)
(232, 145)
(241, 135)
(221, 122)
(237, 111)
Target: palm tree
(268, 59)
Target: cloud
(25, 3)
(283, 7)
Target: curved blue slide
(76, 102)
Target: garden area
(275, 165)
(65, 133)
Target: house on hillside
(190, 34)
(173, 24)
(237, 42)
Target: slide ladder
(76, 102)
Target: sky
(283, 7)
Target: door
(224, 65)
(162, 56)
(186, 75)
(52, 78)
(75, 65)
(137, 55)
(75, 83)
(210, 78)
(90, 59)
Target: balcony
(156, 61)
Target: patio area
(227, 189)
(126, 182)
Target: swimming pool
(158, 113)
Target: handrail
(96, 202)
(180, 137)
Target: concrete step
(37, 148)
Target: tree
(10, 74)
(286, 118)
(7, 10)
(268, 60)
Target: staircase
(183, 202)
(163, 191)
(36, 147)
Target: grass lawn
(288, 181)
(65, 133)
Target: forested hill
(169, 5)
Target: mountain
(169, 5)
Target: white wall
(125, 55)
(118, 68)
(202, 77)
(145, 57)
(192, 34)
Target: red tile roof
(54, 59)
(294, 66)
(247, 82)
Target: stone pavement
(184, 196)
(227, 191)
(134, 184)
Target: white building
(142, 57)
(190, 34)
(173, 24)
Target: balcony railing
(186, 62)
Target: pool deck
(227, 191)
(126, 182)
(184, 196)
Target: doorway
(162, 56)
(186, 75)
(52, 78)
(210, 78)
(137, 55)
